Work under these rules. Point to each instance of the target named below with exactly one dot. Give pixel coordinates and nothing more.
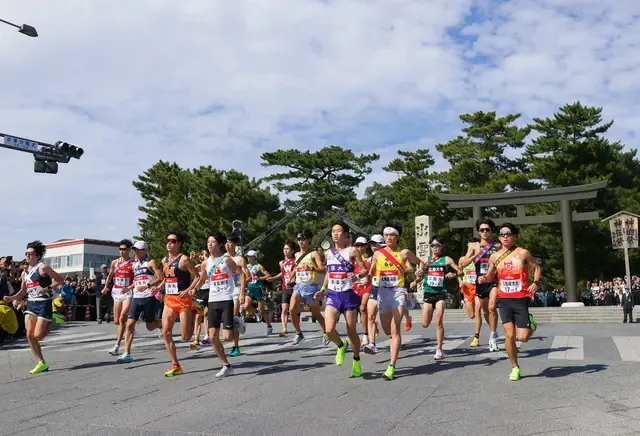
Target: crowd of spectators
(609, 293)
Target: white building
(79, 256)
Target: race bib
(484, 268)
(302, 275)
(471, 278)
(122, 282)
(171, 286)
(33, 289)
(389, 279)
(509, 286)
(337, 280)
(254, 278)
(218, 282)
(435, 281)
(141, 281)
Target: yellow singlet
(389, 276)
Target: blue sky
(213, 82)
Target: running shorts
(514, 310)
(345, 301)
(286, 296)
(147, 307)
(484, 290)
(221, 312)
(390, 298)
(177, 304)
(8, 319)
(433, 299)
(306, 292)
(203, 294)
(119, 297)
(254, 293)
(41, 309)
(469, 292)
(373, 295)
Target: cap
(378, 239)
(141, 245)
(361, 240)
(103, 266)
(252, 253)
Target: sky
(218, 82)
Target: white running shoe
(439, 355)
(364, 340)
(114, 351)
(370, 349)
(269, 330)
(258, 317)
(518, 344)
(493, 345)
(225, 371)
(242, 328)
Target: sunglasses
(436, 245)
(484, 230)
(124, 249)
(171, 241)
(29, 253)
(302, 239)
(506, 235)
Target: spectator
(8, 318)
(627, 304)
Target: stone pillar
(570, 282)
(424, 225)
(477, 214)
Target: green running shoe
(235, 352)
(40, 367)
(515, 374)
(356, 370)
(533, 324)
(389, 373)
(340, 355)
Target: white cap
(378, 239)
(361, 240)
(103, 266)
(141, 245)
(252, 253)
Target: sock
(477, 336)
(125, 354)
(357, 359)
(342, 344)
(392, 364)
(227, 365)
(494, 335)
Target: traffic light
(68, 150)
(45, 166)
(236, 230)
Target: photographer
(81, 295)
(8, 317)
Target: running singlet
(236, 277)
(357, 286)
(205, 285)
(482, 266)
(220, 280)
(123, 276)
(339, 272)
(175, 279)
(35, 283)
(513, 277)
(142, 276)
(470, 277)
(389, 276)
(434, 277)
(305, 277)
(255, 282)
(285, 270)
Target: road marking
(67, 337)
(628, 347)
(285, 345)
(243, 343)
(449, 344)
(567, 348)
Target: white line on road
(68, 337)
(567, 348)
(628, 347)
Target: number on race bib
(471, 279)
(389, 279)
(435, 281)
(337, 281)
(509, 286)
(122, 282)
(484, 268)
(171, 286)
(302, 275)
(218, 283)
(33, 289)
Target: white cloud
(219, 82)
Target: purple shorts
(343, 301)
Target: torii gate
(477, 202)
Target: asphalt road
(576, 380)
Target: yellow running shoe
(176, 370)
(356, 370)
(515, 374)
(283, 333)
(340, 355)
(40, 367)
(390, 372)
(475, 342)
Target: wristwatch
(538, 283)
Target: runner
(178, 300)
(391, 265)
(479, 254)
(38, 282)
(146, 277)
(435, 290)
(514, 292)
(467, 283)
(338, 287)
(121, 273)
(363, 291)
(376, 243)
(308, 266)
(287, 266)
(220, 272)
(202, 300)
(240, 280)
(254, 290)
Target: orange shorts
(177, 304)
(469, 292)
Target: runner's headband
(391, 230)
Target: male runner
(363, 291)
(178, 300)
(514, 292)
(254, 289)
(479, 254)
(391, 265)
(146, 277)
(468, 282)
(286, 268)
(435, 290)
(220, 272)
(202, 299)
(38, 282)
(376, 242)
(240, 280)
(308, 265)
(121, 273)
(338, 287)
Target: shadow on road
(433, 366)
(105, 363)
(563, 371)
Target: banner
(423, 251)
(624, 231)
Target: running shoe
(59, 319)
(206, 341)
(283, 333)
(242, 328)
(325, 339)
(475, 342)
(225, 371)
(439, 355)
(533, 324)
(493, 345)
(40, 367)
(195, 345)
(114, 351)
(364, 340)
(390, 372)
(340, 354)
(407, 324)
(371, 348)
(299, 337)
(515, 374)
(125, 358)
(269, 330)
(175, 370)
(356, 370)
(235, 352)
(258, 317)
